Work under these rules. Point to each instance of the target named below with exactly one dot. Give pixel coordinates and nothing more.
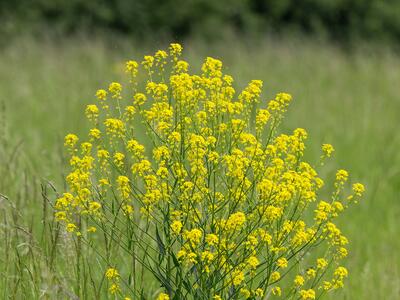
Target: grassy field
(351, 100)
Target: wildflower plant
(184, 189)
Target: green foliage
(339, 19)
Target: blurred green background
(340, 19)
(337, 58)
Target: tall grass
(351, 99)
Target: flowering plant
(212, 203)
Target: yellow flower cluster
(112, 276)
(163, 296)
(212, 202)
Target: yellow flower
(192, 257)
(86, 148)
(115, 127)
(128, 209)
(70, 140)
(275, 276)
(276, 291)
(326, 285)
(93, 206)
(104, 182)
(259, 292)
(130, 111)
(123, 185)
(253, 262)
(176, 227)
(71, 227)
(321, 263)
(141, 167)
(139, 99)
(175, 137)
(60, 216)
(358, 189)
(148, 62)
(94, 133)
(251, 93)
(235, 221)
(280, 103)
(101, 153)
(245, 292)
(161, 54)
(135, 148)
(111, 273)
(175, 50)
(163, 296)
(207, 257)
(181, 254)
(193, 236)
(92, 112)
(283, 98)
(161, 153)
(342, 175)
(282, 262)
(342, 252)
(299, 280)
(237, 277)
(311, 272)
(131, 67)
(91, 229)
(341, 272)
(307, 294)
(262, 118)
(323, 211)
(181, 66)
(212, 239)
(119, 159)
(114, 288)
(160, 59)
(101, 94)
(327, 149)
(115, 89)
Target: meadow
(347, 98)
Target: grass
(348, 99)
